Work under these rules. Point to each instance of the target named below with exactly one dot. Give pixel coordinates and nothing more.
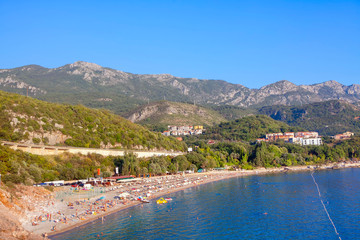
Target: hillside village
(184, 130)
(302, 138)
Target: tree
(181, 162)
(128, 164)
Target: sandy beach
(68, 207)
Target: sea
(324, 205)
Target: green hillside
(119, 104)
(327, 118)
(158, 115)
(34, 121)
(230, 112)
(247, 129)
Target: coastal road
(56, 150)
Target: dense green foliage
(230, 112)
(287, 154)
(247, 129)
(241, 155)
(159, 165)
(104, 100)
(85, 127)
(327, 118)
(21, 167)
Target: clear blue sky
(252, 43)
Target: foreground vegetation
(26, 168)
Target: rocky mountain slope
(165, 113)
(96, 86)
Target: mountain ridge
(80, 78)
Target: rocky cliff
(173, 113)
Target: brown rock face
(11, 229)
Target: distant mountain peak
(31, 67)
(87, 65)
(282, 83)
(332, 83)
(285, 82)
(279, 87)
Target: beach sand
(73, 211)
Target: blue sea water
(281, 206)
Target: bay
(281, 206)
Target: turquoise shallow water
(282, 206)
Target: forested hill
(158, 115)
(24, 119)
(327, 118)
(248, 128)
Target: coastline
(194, 179)
(157, 195)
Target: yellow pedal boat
(161, 201)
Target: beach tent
(124, 195)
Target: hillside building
(307, 134)
(302, 138)
(343, 136)
(306, 141)
(184, 130)
(311, 141)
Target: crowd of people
(55, 214)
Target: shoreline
(135, 203)
(203, 178)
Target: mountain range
(95, 86)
